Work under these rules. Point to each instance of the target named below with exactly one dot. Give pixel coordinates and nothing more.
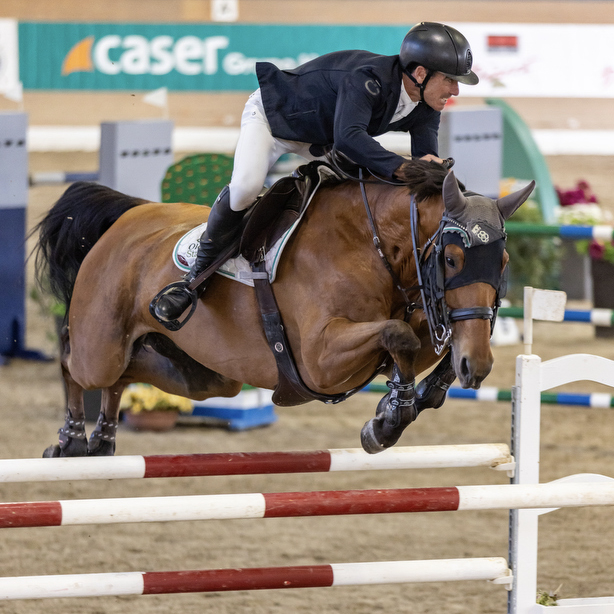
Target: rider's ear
(453, 198)
(508, 204)
(420, 73)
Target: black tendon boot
(223, 226)
(431, 391)
(393, 414)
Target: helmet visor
(469, 79)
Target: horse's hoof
(73, 447)
(368, 440)
(52, 452)
(102, 448)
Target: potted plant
(534, 261)
(580, 206)
(601, 256)
(147, 408)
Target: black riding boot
(223, 226)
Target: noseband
(481, 265)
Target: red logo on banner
(500, 42)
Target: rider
(340, 99)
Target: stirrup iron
(174, 325)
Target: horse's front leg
(397, 409)
(102, 439)
(349, 343)
(401, 406)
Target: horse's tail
(69, 231)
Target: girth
(290, 389)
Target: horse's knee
(399, 339)
(398, 336)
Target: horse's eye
(450, 261)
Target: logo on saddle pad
(237, 268)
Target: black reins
(411, 306)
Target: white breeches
(256, 153)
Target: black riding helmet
(439, 48)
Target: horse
(350, 309)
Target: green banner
(212, 57)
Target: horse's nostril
(464, 368)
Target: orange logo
(79, 58)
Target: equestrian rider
(341, 99)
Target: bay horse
(348, 308)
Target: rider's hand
(448, 162)
(432, 158)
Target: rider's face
(439, 89)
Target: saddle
(277, 210)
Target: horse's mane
(423, 178)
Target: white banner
(541, 60)
(9, 57)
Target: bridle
(430, 269)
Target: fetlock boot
(223, 226)
(394, 413)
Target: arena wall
(224, 108)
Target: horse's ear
(508, 204)
(453, 198)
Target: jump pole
(598, 316)
(296, 504)
(216, 580)
(495, 456)
(571, 232)
(492, 394)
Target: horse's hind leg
(72, 438)
(102, 439)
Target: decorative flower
(581, 194)
(579, 207)
(600, 251)
(144, 397)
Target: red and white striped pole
(318, 503)
(304, 576)
(246, 463)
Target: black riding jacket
(345, 98)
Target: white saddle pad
(238, 268)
